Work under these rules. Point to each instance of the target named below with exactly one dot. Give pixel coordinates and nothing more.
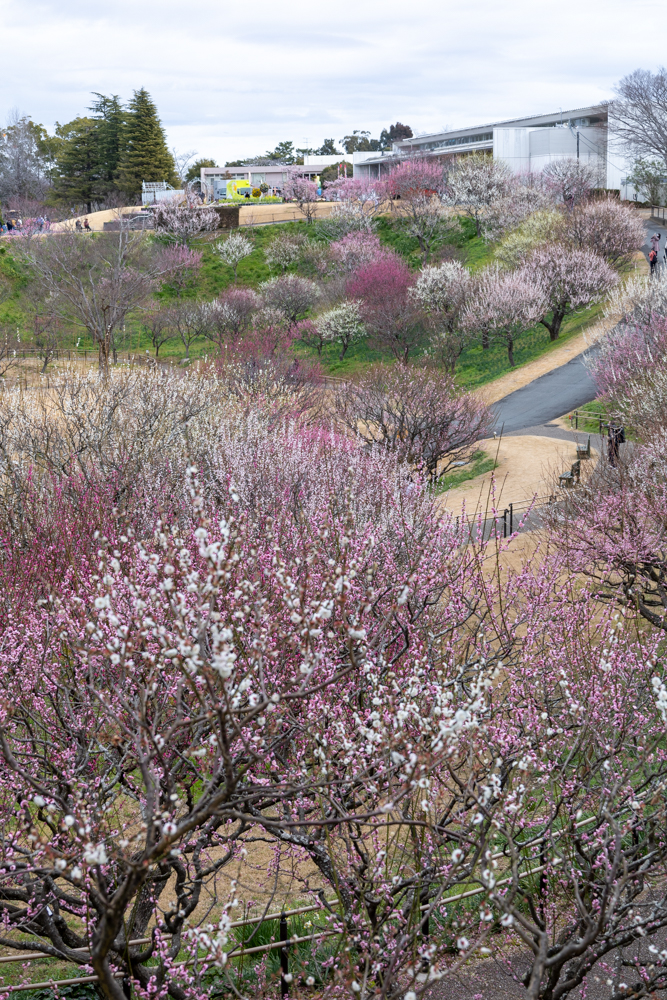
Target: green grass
(479, 463)
(592, 425)
(477, 366)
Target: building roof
(481, 136)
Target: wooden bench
(572, 477)
(584, 452)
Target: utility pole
(577, 143)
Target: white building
(525, 144)
(214, 179)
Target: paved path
(546, 398)
(529, 409)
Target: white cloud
(231, 80)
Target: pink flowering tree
(180, 222)
(358, 202)
(355, 251)
(186, 701)
(303, 191)
(414, 189)
(503, 306)
(182, 265)
(295, 645)
(570, 279)
(608, 228)
(388, 310)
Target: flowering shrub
(386, 307)
(233, 250)
(342, 325)
(223, 623)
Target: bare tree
(191, 320)
(570, 181)
(23, 159)
(291, 294)
(638, 115)
(94, 283)
(159, 325)
(8, 348)
(418, 414)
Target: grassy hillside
(476, 366)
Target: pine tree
(77, 169)
(145, 155)
(110, 118)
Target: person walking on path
(655, 243)
(653, 260)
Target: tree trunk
(485, 340)
(554, 325)
(510, 351)
(104, 355)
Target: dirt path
(527, 466)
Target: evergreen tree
(194, 170)
(77, 166)
(145, 155)
(110, 119)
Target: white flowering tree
(233, 250)
(342, 325)
(442, 292)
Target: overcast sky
(233, 79)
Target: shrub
(291, 294)
(389, 312)
(342, 325)
(417, 414)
